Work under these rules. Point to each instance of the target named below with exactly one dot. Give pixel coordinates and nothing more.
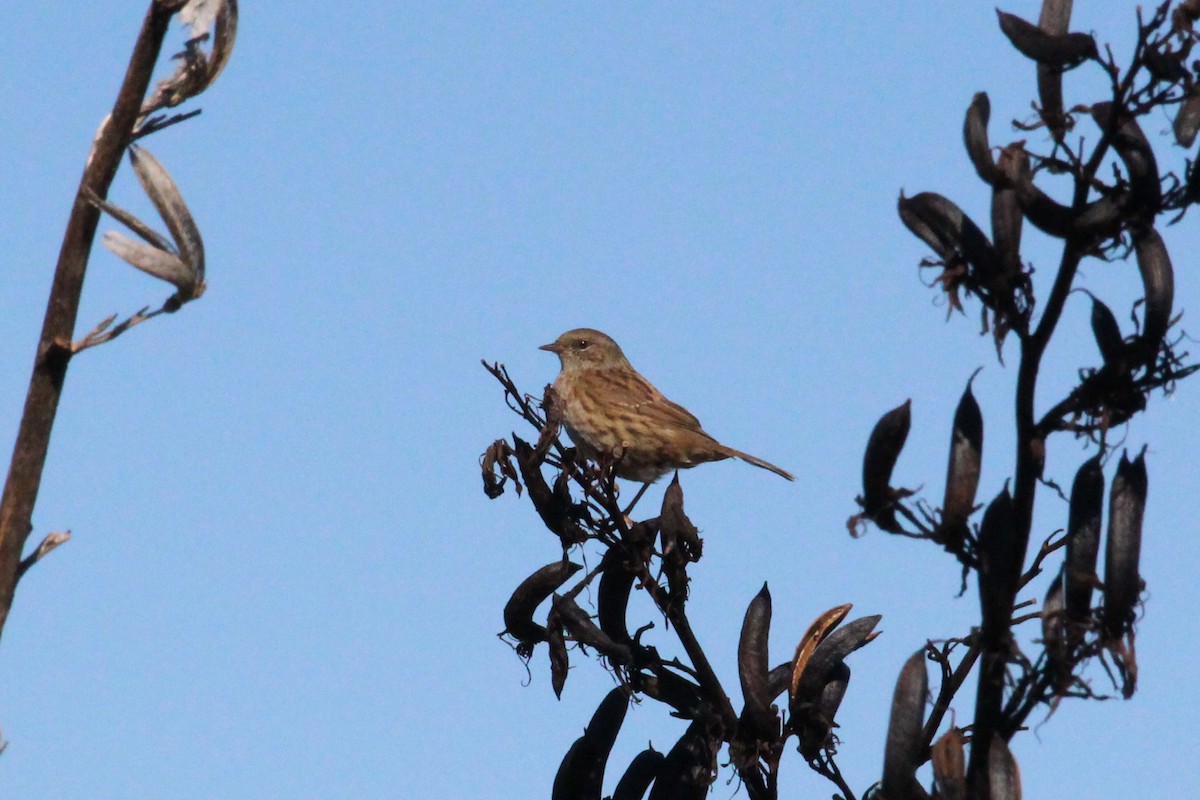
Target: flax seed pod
(1062, 51)
(903, 753)
(1158, 280)
(581, 774)
(962, 470)
(1122, 582)
(1083, 540)
(752, 664)
(641, 773)
(519, 610)
(975, 137)
(883, 448)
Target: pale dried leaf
(171, 207)
(152, 260)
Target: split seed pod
(179, 261)
(581, 774)
(828, 654)
(1004, 778)
(198, 70)
(962, 471)
(1122, 583)
(949, 765)
(820, 628)
(1083, 539)
(905, 730)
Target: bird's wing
(642, 397)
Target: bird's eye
(582, 344)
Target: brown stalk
(54, 348)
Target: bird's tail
(758, 462)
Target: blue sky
(284, 578)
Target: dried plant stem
(54, 347)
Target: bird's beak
(552, 348)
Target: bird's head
(586, 348)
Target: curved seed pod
(575, 778)
(1108, 334)
(583, 630)
(949, 765)
(966, 453)
(1004, 778)
(816, 633)
(676, 529)
(518, 611)
(1055, 19)
(612, 597)
(883, 448)
(828, 654)
(999, 566)
(641, 773)
(1122, 583)
(223, 39)
(674, 690)
(1007, 221)
(1134, 149)
(1165, 65)
(1187, 119)
(942, 225)
(1158, 278)
(552, 507)
(975, 137)
(1101, 217)
(1063, 51)
(905, 728)
(752, 661)
(581, 774)
(1083, 539)
(816, 725)
(689, 768)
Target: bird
(610, 410)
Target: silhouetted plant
(1119, 197)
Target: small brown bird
(608, 408)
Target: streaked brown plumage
(608, 408)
